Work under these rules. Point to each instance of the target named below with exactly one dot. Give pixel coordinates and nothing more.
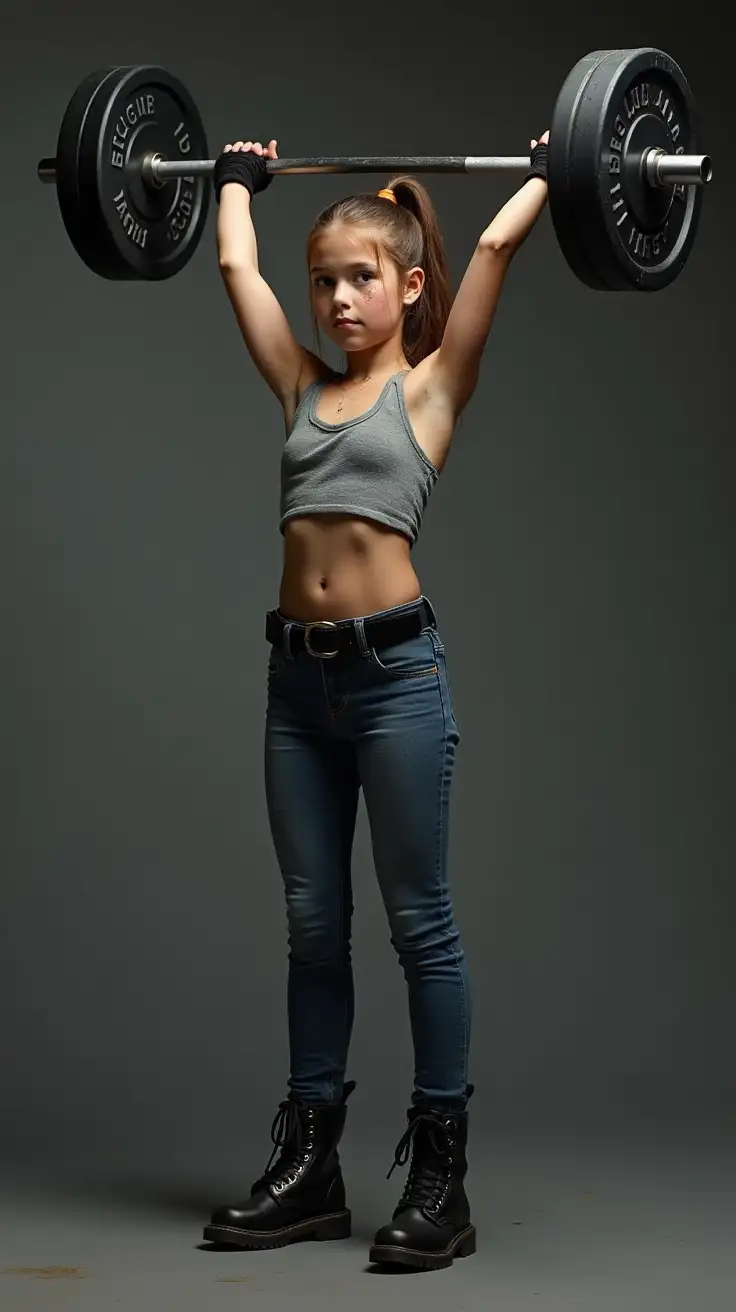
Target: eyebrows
(367, 263)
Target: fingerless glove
(243, 167)
(538, 162)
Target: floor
(619, 1224)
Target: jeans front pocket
(414, 658)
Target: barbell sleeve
(47, 170)
(663, 170)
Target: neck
(388, 358)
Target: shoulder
(424, 390)
(313, 370)
(434, 383)
(429, 409)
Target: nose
(341, 297)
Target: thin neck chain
(357, 389)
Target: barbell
(625, 176)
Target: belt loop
(430, 611)
(286, 639)
(359, 626)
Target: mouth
(346, 323)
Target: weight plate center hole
(650, 204)
(157, 200)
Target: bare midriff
(338, 567)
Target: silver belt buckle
(319, 624)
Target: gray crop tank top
(371, 466)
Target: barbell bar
(625, 176)
(662, 170)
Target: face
(357, 302)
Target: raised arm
(456, 363)
(285, 365)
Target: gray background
(579, 551)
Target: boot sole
(463, 1245)
(336, 1225)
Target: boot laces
(430, 1162)
(288, 1137)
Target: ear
(413, 285)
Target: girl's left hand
(542, 140)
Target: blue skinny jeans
(381, 720)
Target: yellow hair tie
(387, 194)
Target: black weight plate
(616, 231)
(120, 227)
(82, 222)
(561, 202)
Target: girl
(358, 692)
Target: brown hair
(411, 237)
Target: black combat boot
(302, 1196)
(431, 1224)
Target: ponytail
(425, 319)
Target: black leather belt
(328, 638)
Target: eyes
(361, 277)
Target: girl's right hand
(255, 148)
